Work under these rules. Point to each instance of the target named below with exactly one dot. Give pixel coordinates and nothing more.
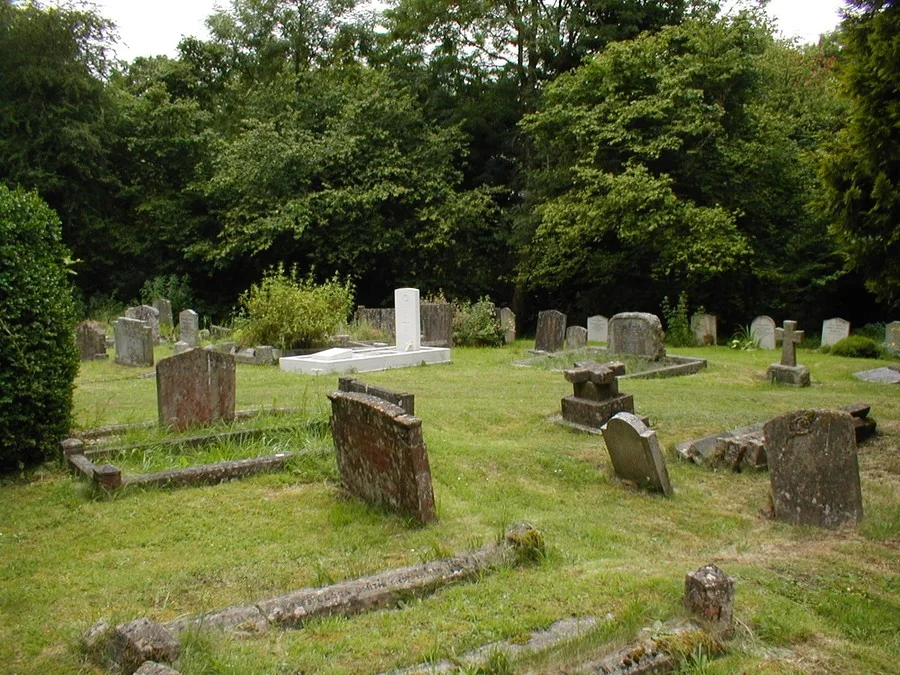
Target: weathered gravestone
(635, 453)
(637, 333)
(164, 307)
(788, 372)
(762, 330)
(407, 320)
(403, 399)
(892, 337)
(508, 324)
(814, 469)
(148, 314)
(134, 342)
(834, 330)
(709, 593)
(576, 337)
(189, 327)
(90, 338)
(596, 395)
(378, 319)
(437, 324)
(551, 331)
(597, 328)
(704, 328)
(381, 454)
(195, 387)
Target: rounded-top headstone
(637, 333)
(762, 329)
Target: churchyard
(807, 599)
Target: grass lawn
(807, 600)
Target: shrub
(475, 325)
(176, 289)
(857, 347)
(287, 312)
(678, 326)
(38, 360)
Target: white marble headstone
(834, 330)
(763, 331)
(407, 322)
(597, 327)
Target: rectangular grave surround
(363, 360)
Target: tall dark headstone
(437, 324)
(90, 338)
(551, 331)
(195, 387)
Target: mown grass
(807, 600)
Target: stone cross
(789, 336)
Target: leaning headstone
(892, 337)
(164, 307)
(90, 338)
(134, 342)
(551, 331)
(508, 324)
(189, 327)
(762, 330)
(405, 400)
(407, 320)
(437, 324)
(195, 387)
(148, 314)
(638, 334)
(381, 454)
(596, 395)
(814, 469)
(788, 372)
(704, 328)
(635, 453)
(709, 593)
(576, 337)
(834, 330)
(597, 328)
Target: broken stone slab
(367, 593)
(709, 593)
(879, 375)
(142, 640)
(213, 474)
(737, 453)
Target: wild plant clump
(475, 324)
(287, 312)
(678, 325)
(38, 361)
(857, 347)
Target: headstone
(90, 338)
(704, 327)
(834, 330)
(189, 327)
(762, 329)
(788, 372)
(381, 454)
(814, 469)
(551, 331)
(134, 342)
(596, 395)
(404, 400)
(195, 387)
(709, 593)
(576, 337)
(437, 324)
(148, 314)
(407, 321)
(164, 307)
(598, 328)
(508, 324)
(635, 453)
(892, 337)
(637, 333)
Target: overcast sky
(150, 27)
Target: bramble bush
(287, 312)
(475, 325)
(38, 360)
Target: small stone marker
(597, 328)
(164, 307)
(637, 333)
(596, 395)
(195, 387)
(814, 468)
(508, 324)
(134, 342)
(576, 337)
(834, 330)
(407, 320)
(148, 314)
(551, 331)
(892, 337)
(189, 327)
(704, 328)
(142, 640)
(762, 329)
(381, 454)
(788, 372)
(635, 453)
(709, 593)
(90, 338)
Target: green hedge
(856, 346)
(38, 360)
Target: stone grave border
(109, 477)
(682, 365)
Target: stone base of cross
(790, 337)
